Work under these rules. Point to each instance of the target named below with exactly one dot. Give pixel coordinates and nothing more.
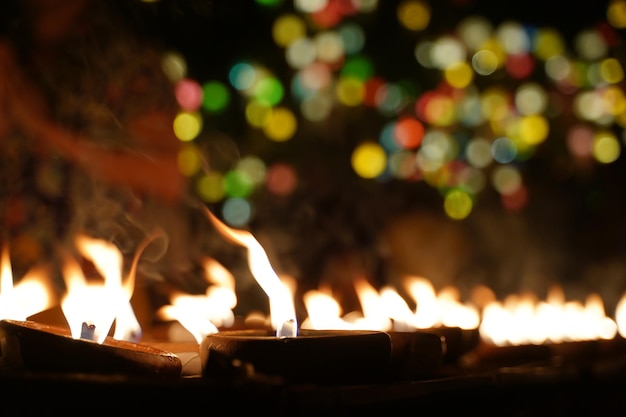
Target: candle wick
(289, 328)
(88, 331)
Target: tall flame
(282, 310)
(94, 303)
(102, 303)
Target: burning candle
(328, 357)
(282, 310)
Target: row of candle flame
(105, 304)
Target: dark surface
(561, 386)
(507, 392)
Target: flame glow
(521, 319)
(31, 295)
(282, 309)
(202, 314)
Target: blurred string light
(501, 92)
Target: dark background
(572, 231)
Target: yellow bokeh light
(616, 14)
(414, 15)
(189, 161)
(350, 91)
(210, 187)
(498, 51)
(533, 129)
(280, 125)
(187, 125)
(458, 204)
(494, 103)
(369, 160)
(459, 75)
(611, 71)
(606, 147)
(257, 113)
(288, 28)
(614, 100)
(548, 43)
(485, 62)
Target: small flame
(522, 319)
(282, 309)
(31, 295)
(375, 317)
(324, 312)
(202, 314)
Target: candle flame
(202, 314)
(106, 301)
(31, 295)
(282, 309)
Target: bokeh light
(350, 91)
(187, 125)
(481, 100)
(458, 204)
(174, 66)
(280, 125)
(369, 160)
(216, 96)
(408, 132)
(189, 160)
(189, 94)
(606, 147)
(210, 187)
(237, 183)
(288, 28)
(281, 179)
(414, 14)
(237, 212)
(269, 90)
